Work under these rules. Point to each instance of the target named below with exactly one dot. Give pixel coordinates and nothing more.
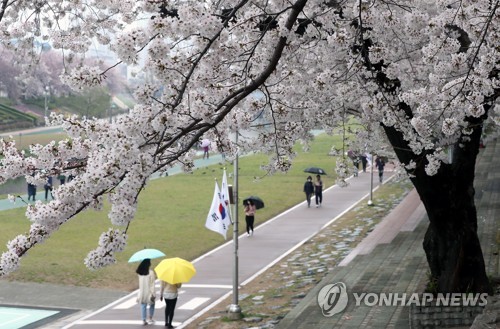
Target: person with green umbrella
(146, 294)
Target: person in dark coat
(48, 188)
(364, 161)
(380, 164)
(309, 190)
(31, 192)
(318, 191)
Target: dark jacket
(380, 164)
(308, 187)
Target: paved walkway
(213, 281)
(214, 270)
(27, 303)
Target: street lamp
(234, 310)
(370, 201)
(111, 108)
(46, 93)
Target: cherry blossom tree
(9, 73)
(425, 72)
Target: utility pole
(45, 93)
(234, 311)
(370, 202)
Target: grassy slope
(171, 217)
(24, 141)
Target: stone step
(487, 186)
(390, 268)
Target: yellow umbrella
(175, 270)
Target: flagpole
(229, 208)
(234, 312)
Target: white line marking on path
(127, 304)
(124, 322)
(214, 286)
(218, 301)
(193, 303)
(213, 304)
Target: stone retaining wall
(490, 317)
(433, 316)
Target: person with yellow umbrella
(172, 272)
(169, 292)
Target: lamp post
(46, 93)
(370, 201)
(234, 310)
(111, 108)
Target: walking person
(364, 161)
(146, 295)
(309, 190)
(205, 145)
(380, 164)
(48, 188)
(62, 179)
(31, 191)
(169, 292)
(205, 151)
(318, 191)
(249, 216)
(355, 161)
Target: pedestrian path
(33, 305)
(271, 242)
(391, 260)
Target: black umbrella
(315, 170)
(256, 201)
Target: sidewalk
(271, 242)
(115, 309)
(391, 259)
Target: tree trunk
(451, 242)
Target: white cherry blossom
(426, 69)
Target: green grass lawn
(171, 217)
(25, 140)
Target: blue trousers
(144, 311)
